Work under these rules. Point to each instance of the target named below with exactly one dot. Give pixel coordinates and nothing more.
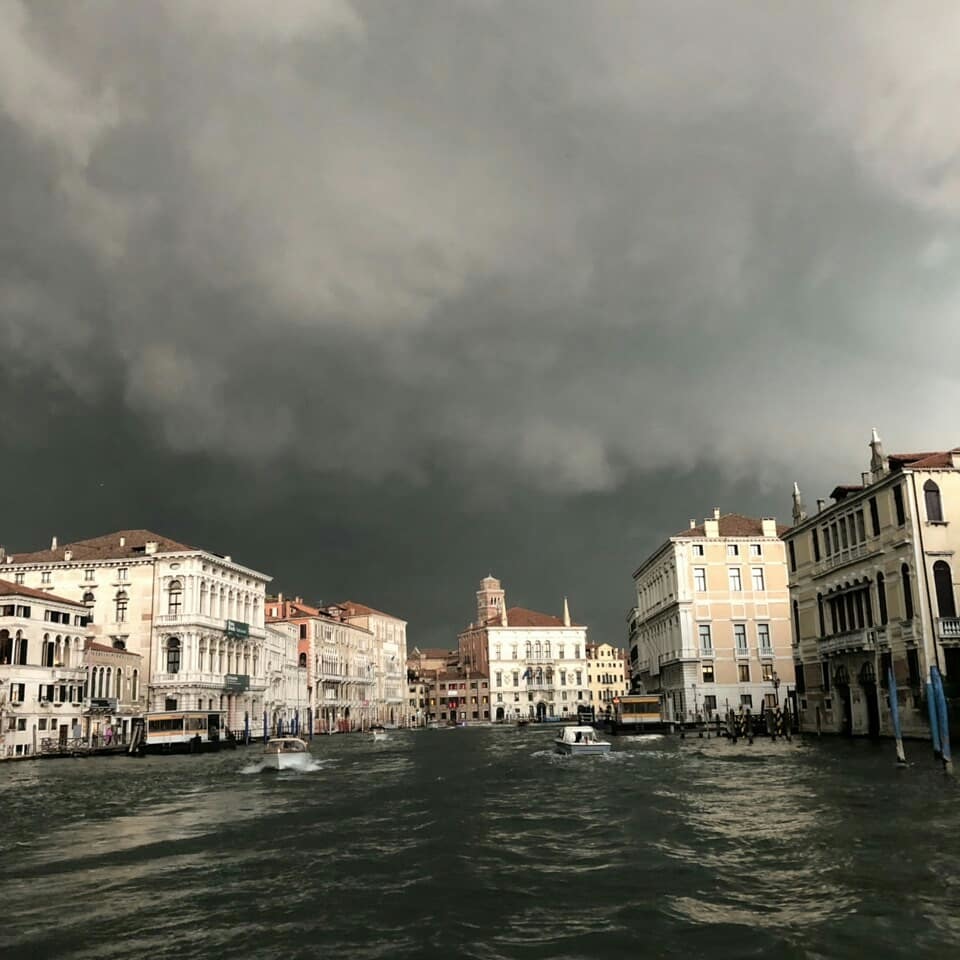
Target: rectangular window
(710, 703)
(815, 540)
(516, 679)
(874, 517)
(499, 678)
(825, 676)
(792, 550)
(743, 669)
(700, 579)
(801, 678)
(19, 578)
(844, 543)
(827, 546)
(88, 574)
(758, 579)
(766, 671)
(122, 575)
(706, 641)
(45, 576)
(698, 549)
(707, 673)
(733, 574)
(898, 505)
(861, 530)
(913, 666)
(740, 636)
(756, 550)
(733, 550)
(746, 700)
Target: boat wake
(311, 766)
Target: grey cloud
(554, 245)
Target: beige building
(711, 625)
(607, 676)
(536, 663)
(195, 617)
(872, 586)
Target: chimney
(9, 558)
(711, 527)
(716, 513)
(228, 558)
(151, 546)
(820, 504)
(68, 555)
(799, 514)
(123, 541)
(3, 554)
(769, 526)
(53, 544)
(693, 524)
(566, 613)
(280, 598)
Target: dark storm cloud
(482, 250)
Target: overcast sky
(382, 297)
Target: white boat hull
(581, 749)
(286, 761)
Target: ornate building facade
(873, 586)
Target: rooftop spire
(799, 514)
(878, 462)
(566, 613)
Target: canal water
(480, 842)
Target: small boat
(378, 732)
(580, 740)
(286, 753)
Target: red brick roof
(733, 525)
(103, 648)
(923, 461)
(106, 547)
(522, 617)
(8, 589)
(353, 609)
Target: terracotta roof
(103, 648)
(432, 653)
(923, 461)
(732, 525)
(522, 617)
(8, 589)
(106, 547)
(353, 609)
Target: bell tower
(491, 602)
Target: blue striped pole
(943, 720)
(895, 713)
(932, 712)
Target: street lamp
(776, 689)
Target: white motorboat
(286, 753)
(580, 740)
(378, 733)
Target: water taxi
(178, 731)
(378, 732)
(580, 740)
(285, 753)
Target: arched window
(907, 592)
(6, 647)
(174, 598)
(823, 626)
(88, 599)
(121, 606)
(303, 660)
(882, 598)
(796, 622)
(173, 655)
(135, 686)
(203, 598)
(931, 497)
(49, 652)
(943, 581)
(22, 644)
(528, 651)
(119, 684)
(546, 648)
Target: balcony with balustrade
(852, 641)
(948, 630)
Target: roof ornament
(566, 613)
(799, 514)
(878, 462)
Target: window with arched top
(135, 686)
(882, 598)
(907, 592)
(175, 598)
(204, 598)
(943, 582)
(931, 498)
(173, 655)
(120, 604)
(303, 660)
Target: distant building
(354, 661)
(195, 617)
(42, 674)
(607, 675)
(711, 625)
(423, 672)
(872, 586)
(537, 663)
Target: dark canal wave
(483, 843)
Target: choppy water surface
(480, 842)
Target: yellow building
(711, 625)
(607, 676)
(872, 586)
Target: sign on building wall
(236, 682)
(238, 629)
